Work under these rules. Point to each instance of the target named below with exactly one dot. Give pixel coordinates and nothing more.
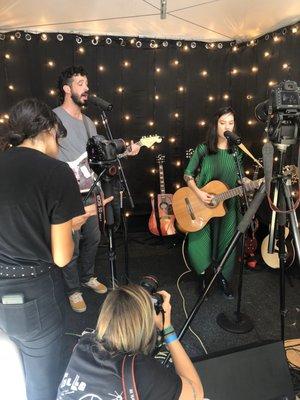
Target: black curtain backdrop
(153, 72)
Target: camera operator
(40, 204)
(74, 93)
(127, 327)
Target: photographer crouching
(115, 361)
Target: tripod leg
(293, 220)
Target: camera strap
(128, 378)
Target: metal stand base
(236, 324)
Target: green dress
(205, 168)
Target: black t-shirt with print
(94, 373)
(36, 191)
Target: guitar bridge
(189, 208)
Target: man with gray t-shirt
(73, 86)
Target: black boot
(225, 287)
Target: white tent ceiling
(204, 20)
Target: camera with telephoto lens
(102, 153)
(281, 112)
(150, 283)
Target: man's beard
(77, 99)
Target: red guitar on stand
(161, 221)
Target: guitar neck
(162, 180)
(127, 151)
(238, 190)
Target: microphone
(232, 137)
(98, 102)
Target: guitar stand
(241, 229)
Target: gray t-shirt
(73, 147)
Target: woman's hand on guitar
(204, 197)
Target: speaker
(256, 373)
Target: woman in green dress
(213, 160)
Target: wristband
(168, 329)
(171, 338)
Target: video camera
(281, 112)
(150, 284)
(103, 153)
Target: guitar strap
(156, 212)
(86, 125)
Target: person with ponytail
(40, 205)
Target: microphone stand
(124, 184)
(240, 323)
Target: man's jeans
(81, 267)
(36, 327)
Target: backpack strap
(128, 378)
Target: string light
(285, 66)
(202, 123)
(226, 96)
(52, 92)
(101, 68)
(235, 48)
(96, 122)
(266, 54)
(234, 71)
(127, 117)
(120, 89)
(151, 194)
(175, 62)
(44, 37)
(250, 122)
(1, 120)
(186, 47)
(247, 172)
(295, 29)
(127, 214)
(11, 87)
(7, 56)
(177, 185)
(249, 97)
(81, 50)
(153, 171)
(126, 64)
(265, 140)
(271, 83)
(211, 98)
(156, 97)
(157, 69)
(176, 115)
(275, 158)
(181, 89)
(6, 116)
(276, 38)
(254, 69)
(204, 73)
(150, 123)
(178, 163)
(172, 140)
(50, 63)
(12, 37)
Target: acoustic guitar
(192, 214)
(161, 221)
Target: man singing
(74, 91)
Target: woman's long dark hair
(212, 133)
(27, 119)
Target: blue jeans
(81, 267)
(37, 328)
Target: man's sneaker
(95, 285)
(77, 303)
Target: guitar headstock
(189, 153)
(160, 159)
(149, 141)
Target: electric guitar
(161, 221)
(192, 214)
(83, 172)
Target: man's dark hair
(212, 133)
(27, 119)
(66, 76)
